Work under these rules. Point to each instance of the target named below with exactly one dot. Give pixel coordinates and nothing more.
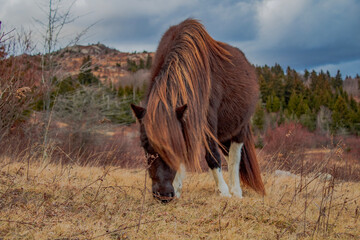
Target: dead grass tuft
(47, 201)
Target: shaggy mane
(182, 75)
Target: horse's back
(239, 94)
(234, 84)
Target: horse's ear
(180, 111)
(138, 111)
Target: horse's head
(161, 174)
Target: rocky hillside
(109, 65)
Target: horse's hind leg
(234, 159)
(214, 162)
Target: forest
(318, 101)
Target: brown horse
(202, 93)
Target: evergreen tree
(259, 117)
(141, 64)
(86, 77)
(121, 91)
(128, 90)
(337, 81)
(308, 120)
(132, 67)
(273, 103)
(66, 85)
(264, 89)
(306, 74)
(302, 107)
(340, 114)
(277, 70)
(293, 103)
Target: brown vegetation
(293, 148)
(47, 201)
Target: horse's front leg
(179, 177)
(214, 162)
(233, 157)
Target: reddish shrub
(287, 138)
(293, 148)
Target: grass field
(45, 201)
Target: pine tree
(340, 114)
(302, 107)
(259, 117)
(276, 104)
(264, 90)
(132, 67)
(273, 103)
(306, 74)
(121, 91)
(86, 77)
(141, 64)
(277, 70)
(337, 81)
(293, 103)
(308, 120)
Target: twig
(126, 227)
(143, 202)
(20, 222)
(220, 216)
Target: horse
(202, 94)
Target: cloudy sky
(311, 34)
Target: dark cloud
(308, 34)
(226, 21)
(300, 33)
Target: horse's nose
(168, 198)
(164, 198)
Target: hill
(108, 65)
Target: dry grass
(44, 201)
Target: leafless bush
(17, 80)
(351, 86)
(293, 148)
(81, 131)
(57, 16)
(137, 79)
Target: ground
(46, 201)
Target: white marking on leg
(220, 182)
(234, 168)
(177, 183)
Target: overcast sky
(311, 34)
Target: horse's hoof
(237, 193)
(226, 194)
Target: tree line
(316, 100)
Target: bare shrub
(17, 80)
(293, 148)
(137, 79)
(81, 130)
(287, 138)
(351, 86)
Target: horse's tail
(249, 167)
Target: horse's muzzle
(164, 198)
